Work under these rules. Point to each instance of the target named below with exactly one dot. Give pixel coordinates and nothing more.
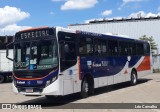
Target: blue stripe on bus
(100, 67)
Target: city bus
(56, 61)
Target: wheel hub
(134, 78)
(86, 87)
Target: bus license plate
(29, 90)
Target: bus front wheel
(133, 78)
(87, 87)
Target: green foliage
(150, 40)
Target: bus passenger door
(68, 68)
(68, 56)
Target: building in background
(156, 61)
(4, 40)
(132, 27)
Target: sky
(16, 15)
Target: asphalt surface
(146, 91)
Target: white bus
(60, 61)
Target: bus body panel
(101, 67)
(122, 74)
(71, 81)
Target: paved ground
(146, 91)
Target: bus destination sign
(33, 34)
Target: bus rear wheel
(87, 87)
(133, 78)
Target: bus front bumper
(52, 89)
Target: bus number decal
(20, 64)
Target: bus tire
(133, 77)
(2, 78)
(87, 87)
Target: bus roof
(29, 29)
(101, 35)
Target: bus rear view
(36, 62)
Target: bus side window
(123, 48)
(146, 49)
(113, 47)
(68, 51)
(85, 46)
(68, 54)
(131, 48)
(104, 47)
(82, 46)
(100, 47)
(140, 49)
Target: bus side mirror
(10, 45)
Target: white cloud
(78, 4)
(125, 2)
(152, 14)
(101, 19)
(132, 15)
(106, 12)
(137, 14)
(10, 15)
(129, 1)
(143, 14)
(12, 29)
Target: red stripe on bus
(145, 64)
(33, 78)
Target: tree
(151, 41)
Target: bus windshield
(36, 55)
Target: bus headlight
(53, 79)
(50, 81)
